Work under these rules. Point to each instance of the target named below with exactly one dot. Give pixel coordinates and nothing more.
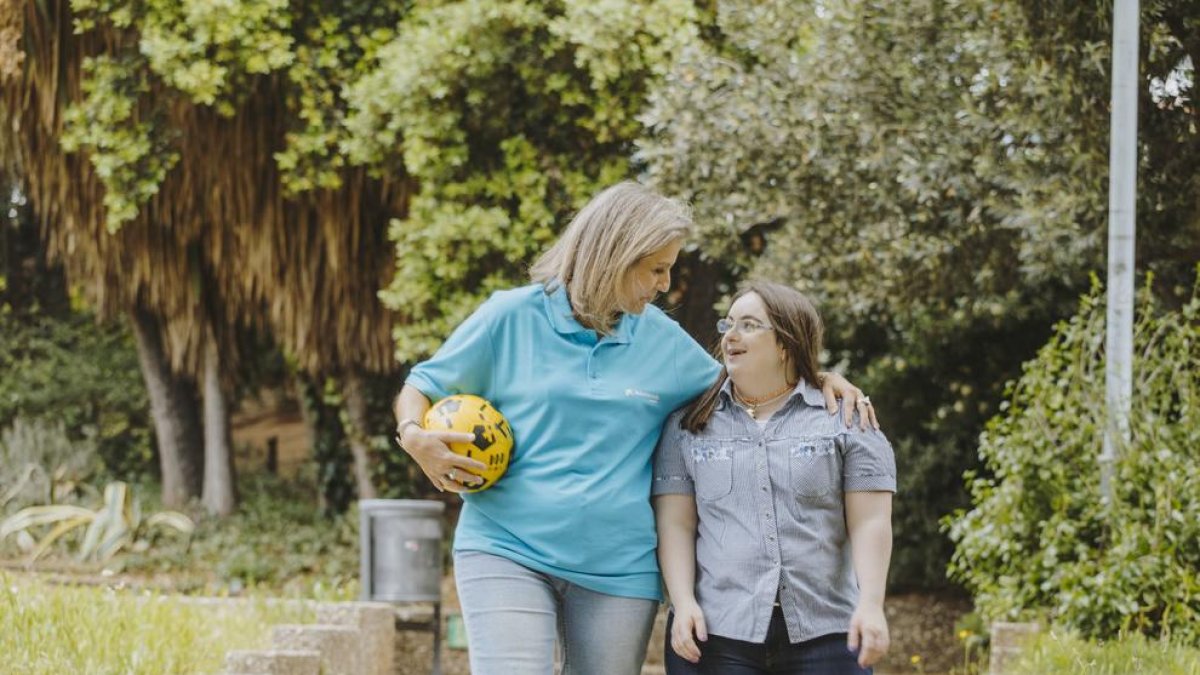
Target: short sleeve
(464, 363)
(869, 463)
(671, 474)
(695, 369)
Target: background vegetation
(311, 195)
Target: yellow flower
(964, 634)
(915, 659)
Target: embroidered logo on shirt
(808, 450)
(705, 453)
(644, 395)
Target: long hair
(616, 229)
(798, 329)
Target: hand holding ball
(473, 415)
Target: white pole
(1122, 211)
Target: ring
(865, 399)
(451, 475)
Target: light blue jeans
(514, 616)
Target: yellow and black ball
(474, 415)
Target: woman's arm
(869, 521)
(428, 448)
(676, 518)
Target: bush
(1041, 539)
(41, 464)
(81, 375)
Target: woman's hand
(446, 469)
(688, 626)
(834, 386)
(869, 634)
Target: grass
(50, 629)
(1057, 652)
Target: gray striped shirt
(772, 512)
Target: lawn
(53, 628)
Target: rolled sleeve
(671, 473)
(870, 463)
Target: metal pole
(1122, 211)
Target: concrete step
(376, 623)
(272, 662)
(339, 646)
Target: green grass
(1062, 653)
(51, 629)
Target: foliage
(933, 173)
(46, 629)
(279, 539)
(510, 115)
(83, 377)
(129, 147)
(1041, 536)
(114, 526)
(1058, 652)
(40, 463)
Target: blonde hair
(616, 229)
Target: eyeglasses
(743, 326)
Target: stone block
(339, 646)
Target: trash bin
(401, 560)
(401, 549)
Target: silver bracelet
(401, 426)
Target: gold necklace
(752, 405)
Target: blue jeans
(825, 655)
(514, 616)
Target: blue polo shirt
(586, 413)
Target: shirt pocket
(712, 466)
(815, 467)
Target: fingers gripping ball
(473, 415)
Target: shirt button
(764, 488)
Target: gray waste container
(401, 548)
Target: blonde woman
(562, 550)
(774, 520)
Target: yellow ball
(473, 415)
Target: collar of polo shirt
(558, 307)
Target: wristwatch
(401, 426)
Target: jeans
(825, 655)
(514, 616)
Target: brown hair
(798, 329)
(616, 229)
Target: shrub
(85, 376)
(41, 464)
(115, 526)
(1040, 537)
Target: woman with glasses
(774, 520)
(562, 549)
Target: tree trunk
(220, 488)
(174, 410)
(356, 409)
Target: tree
(181, 174)
(510, 115)
(932, 171)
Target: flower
(964, 634)
(915, 659)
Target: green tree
(182, 157)
(933, 172)
(510, 115)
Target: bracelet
(401, 426)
